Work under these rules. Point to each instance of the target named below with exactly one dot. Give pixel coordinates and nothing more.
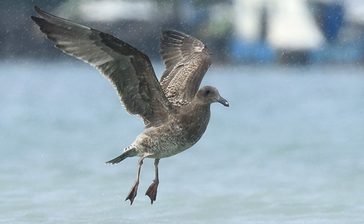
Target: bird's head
(209, 94)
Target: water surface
(289, 149)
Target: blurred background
(237, 31)
(289, 149)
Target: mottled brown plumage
(175, 112)
(187, 60)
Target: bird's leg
(152, 190)
(133, 192)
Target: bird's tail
(129, 152)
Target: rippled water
(290, 149)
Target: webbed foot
(133, 193)
(152, 191)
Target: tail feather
(124, 155)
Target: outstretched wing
(187, 60)
(129, 70)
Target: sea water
(289, 149)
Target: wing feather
(187, 60)
(129, 70)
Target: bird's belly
(169, 142)
(167, 150)
(171, 146)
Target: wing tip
(174, 33)
(37, 20)
(38, 10)
(40, 13)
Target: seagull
(175, 111)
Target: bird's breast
(191, 126)
(178, 134)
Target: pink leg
(152, 190)
(133, 192)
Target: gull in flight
(174, 110)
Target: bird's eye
(207, 92)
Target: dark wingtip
(37, 9)
(37, 20)
(41, 12)
(34, 18)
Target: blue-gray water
(289, 149)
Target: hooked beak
(223, 101)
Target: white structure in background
(290, 26)
(248, 19)
(110, 10)
(355, 11)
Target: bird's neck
(198, 104)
